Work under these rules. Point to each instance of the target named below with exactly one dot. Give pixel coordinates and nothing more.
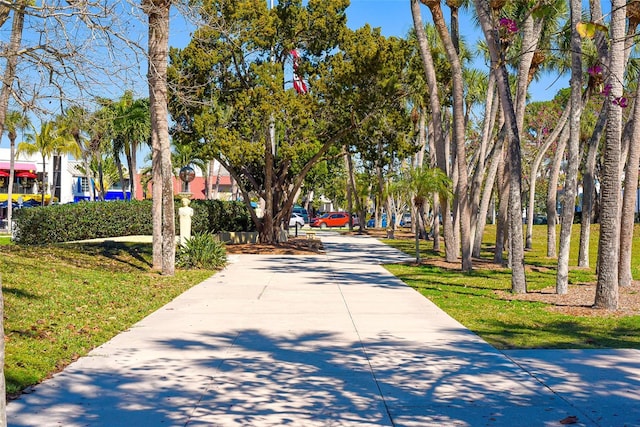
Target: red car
(333, 219)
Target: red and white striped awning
(19, 166)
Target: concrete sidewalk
(328, 340)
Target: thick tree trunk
(608, 247)
(158, 12)
(571, 180)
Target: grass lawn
(63, 300)
(480, 299)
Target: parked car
(296, 219)
(333, 219)
(372, 222)
(302, 212)
(406, 219)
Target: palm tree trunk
(552, 194)
(608, 246)
(502, 224)
(588, 187)
(629, 198)
(487, 195)
(516, 246)
(571, 180)
(11, 56)
(491, 112)
(158, 12)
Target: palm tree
(48, 142)
(496, 50)
(461, 199)
(108, 172)
(131, 127)
(76, 123)
(562, 278)
(14, 122)
(184, 155)
(422, 183)
(163, 205)
(436, 121)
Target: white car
(296, 219)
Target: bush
(202, 250)
(217, 215)
(92, 220)
(80, 221)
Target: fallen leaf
(571, 419)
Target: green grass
(63, 300)
(474, 300)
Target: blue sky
(392, 16)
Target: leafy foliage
(233, 82)
(202, 251)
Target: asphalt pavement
(325, 340)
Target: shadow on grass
(135, 255)
(565, 333)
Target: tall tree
(280, 66)
(49, 141)
(490, 29)
(130, 129)
(630, 197)
(164, 229)
(436, 124)
(422, 183)
(608, 244)
(571, 180)
(550, 139)
(76, 122)
(461, 199)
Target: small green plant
(202, 250)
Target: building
(30, 176)
(64, 182)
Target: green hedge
(91, 220)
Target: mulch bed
(293, 246)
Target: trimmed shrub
(80, 221)
(220, 216)
(202, 250)
(91, 220)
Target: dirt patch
(293, 246)
(579, 300)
